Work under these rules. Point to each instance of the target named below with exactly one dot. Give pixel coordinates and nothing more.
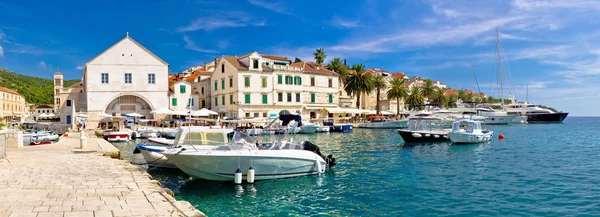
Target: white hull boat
(384, 125)
(148, 133)
(154, 157)
(308, 129)
(322, 129)
(223, 162)
(162, 141)
(221, 165)
(119, 136)
(469, 132)
(43, 138)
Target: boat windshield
(425, 125)
(203, 138)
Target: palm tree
(415, 97)
(378, 83)
(397, 91)
(469, 96)
(451, 101)
(428, 89)
(490, 99)
(297, 60)
(337, 65)
(359, 82)
(461, 94)
(320, 56)
(439, 98)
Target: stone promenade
(51, 180)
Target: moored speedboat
(220, 159)
(282, 159)
(198, 136)
(424, 130)
(44, 138)
(308, 128)
(116, 136)
(162, 141)
(337, 128)
(469, 132)
(381, 122)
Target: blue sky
(552, 46)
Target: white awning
(342, 110)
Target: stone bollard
(82, 140)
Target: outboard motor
(309, 146)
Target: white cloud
(556, 4)
(42, 65)
(423, 37)
(277, 7)
(231, 19)
(79, 67)
(189, 44)
(339, 22)
(538, 84)
(1, 51)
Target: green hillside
(35, 90)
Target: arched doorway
(129, 104)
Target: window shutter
(312, 97)
(247, 98)
(279, 79)
(265, 98)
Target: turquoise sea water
(538, 169)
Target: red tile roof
(399, 75)
(235, 62)
(44, 106)
(311, 67)
(4, 89)
(280, 58)
(453, 92)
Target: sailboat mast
(500, 70)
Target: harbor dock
(62, 180)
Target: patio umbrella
(81, 115)
(134, 115)
(179, 113)
(104, 115)
(209, 112)
(163, 111)
(199, 113)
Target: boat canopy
(467, 125)
(286, 118)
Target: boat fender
(427, 135)
(417, 135)
(436, 136)
(445, 137)
(250, 175)
(319, 167)
(501, 136)
(238, 176)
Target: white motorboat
(43, 138)
(383, 122)
(322, 129)
(114, 130)
(279, 159)
(469, 132)
(424, 130)
(148, 132)
(197, 136)
(309, 128)
(161, 141)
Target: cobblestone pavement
(50, 180)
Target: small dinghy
(469, 132)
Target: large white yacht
(534, 113)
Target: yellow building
(13, 105)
